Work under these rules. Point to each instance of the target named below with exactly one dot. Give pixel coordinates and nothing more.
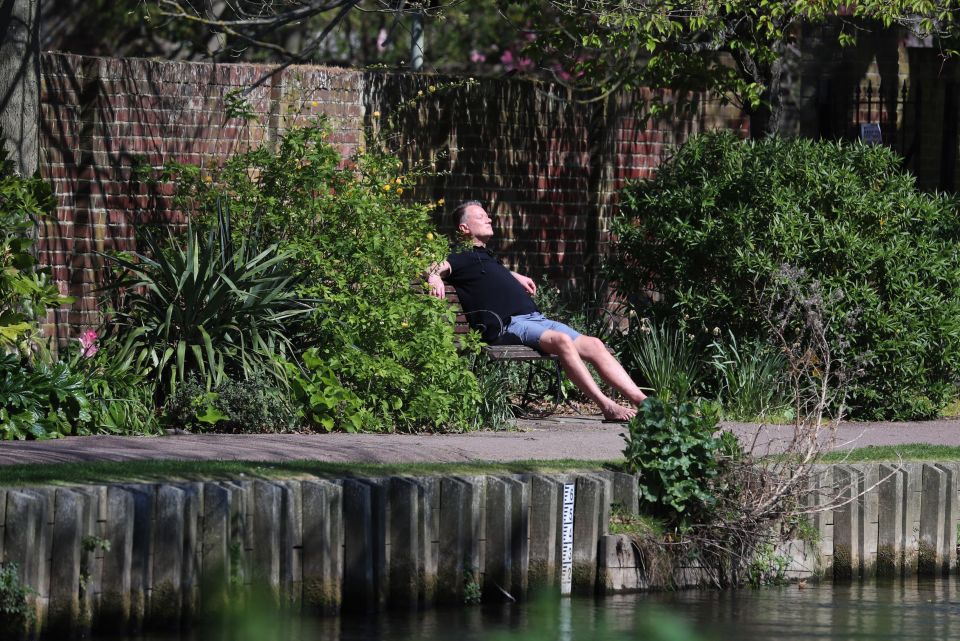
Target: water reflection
(906, 610)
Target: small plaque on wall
(870, 133)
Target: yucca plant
(666, 361)
(208, 307)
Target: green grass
(170, 470)
(879, 453)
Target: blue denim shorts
(530, 327)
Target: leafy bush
(722, 216)
(206, 307)
(672, 447)
(381, 353)
(25, 290)
(234, 406)
(41, 400)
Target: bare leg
(609, 368)
(553, 342)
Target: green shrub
(41, 400)
(673, 449)
(25, 290)
(234, 406)
(381, 353)
(722, 217)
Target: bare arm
(435, 276)
(526, 282)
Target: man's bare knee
(590, 347)
(556, 342)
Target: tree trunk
(20, 82)
(766, 120)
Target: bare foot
(614, 412)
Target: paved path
(580, 437)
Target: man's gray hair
(461, 211)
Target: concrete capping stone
(286, 526)
(141, 570)
(545, 499)
(165, 606)
(323, 557)
(359, 593)
(192, 549)
(890, 521)
(911, 531)
(846, 524)
(113, 611)
(626, 493)
(498, 543)
(951, 516)
(407, 548)
(238, 552)
(215, 543)
(933, 559)
(380, 513)
(266, 528)
(822, 495)
(520, 536)
(291, 570)
(429, 528)
(63, 614)
(94, 502)
(589, 506)
(620, 566)
(606, 502)
(869, 503)
(22, 542)
(458, 559)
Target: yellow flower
(431, 88)
(207, 179)
(386, 187)
(314, 103)
(429, 235)
(398, 181)
(420, 93)
(399, 190)
(404, 324)
(440, 202)
(376, 114)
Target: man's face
(476, 224)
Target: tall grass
(750, 379)
(666, 360)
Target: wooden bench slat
(515, 353)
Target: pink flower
(507, 60)
(477, 57)
(524, 64)
(88, 341)
(382, 40)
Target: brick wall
(548, 167)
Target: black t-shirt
(485, 288)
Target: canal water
(908, 610)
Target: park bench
(505, 353)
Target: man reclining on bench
(498, 303)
